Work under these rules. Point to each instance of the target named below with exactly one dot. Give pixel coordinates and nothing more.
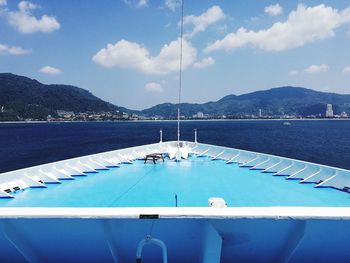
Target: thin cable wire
(180, 74)
(151, 228)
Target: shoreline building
(199, 115)
(329, 111)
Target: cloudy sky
(127, 51)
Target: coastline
(187, 120)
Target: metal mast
(180, 74)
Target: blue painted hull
(190, 240)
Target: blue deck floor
(193, 181)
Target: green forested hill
(27, 98)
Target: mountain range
(280, 101)
(22, 97)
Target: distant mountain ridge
(273, 102)
(27, 98)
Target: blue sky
(126, 51)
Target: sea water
(320, 141)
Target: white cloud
(8, 50)
(201, 22)
(205, 62)
(50, 70)
(3, 2)
(172, 4)
(130, 55)
(316, 69)
(293, 72)
(142, 3)
(25, 22)
(136, 3)
(346, 70)
(274, 10)
(304, 25)
(153, 87)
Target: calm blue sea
(28, 144)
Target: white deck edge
(286, 213)
(271, 155)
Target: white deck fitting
(325, 181)
(131, 157)
(101, 160)
(258, 160)
(184, 151)
(232, 160)
(271, 168)
(172, 153)
(124, 159)
(204, 152)
(305, 180)
(86, 168)
(295, 174)
(47, 177)
(114, 160)
(62, 173)
(198, 149)
(140, 155)
(296, 166)
(80, 167)
(75, 168)
(310, 170)
(259, 164)
(282, 165)
(3, 194)
(213, 152)
(110, 163)
(97, 164)
(218, 155)
(245, 157)
(65, 169)
(272, 161)
(280, 172)
(248, 163)
(5, 190)
(38, 176)
(227, 155)
(322, 175)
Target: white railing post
(161, 136)
(195, 135)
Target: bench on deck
(154, 157)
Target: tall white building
(329, 111)
(260, 113)
(200, 115)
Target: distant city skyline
(126, 51)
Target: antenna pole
(180, 75)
